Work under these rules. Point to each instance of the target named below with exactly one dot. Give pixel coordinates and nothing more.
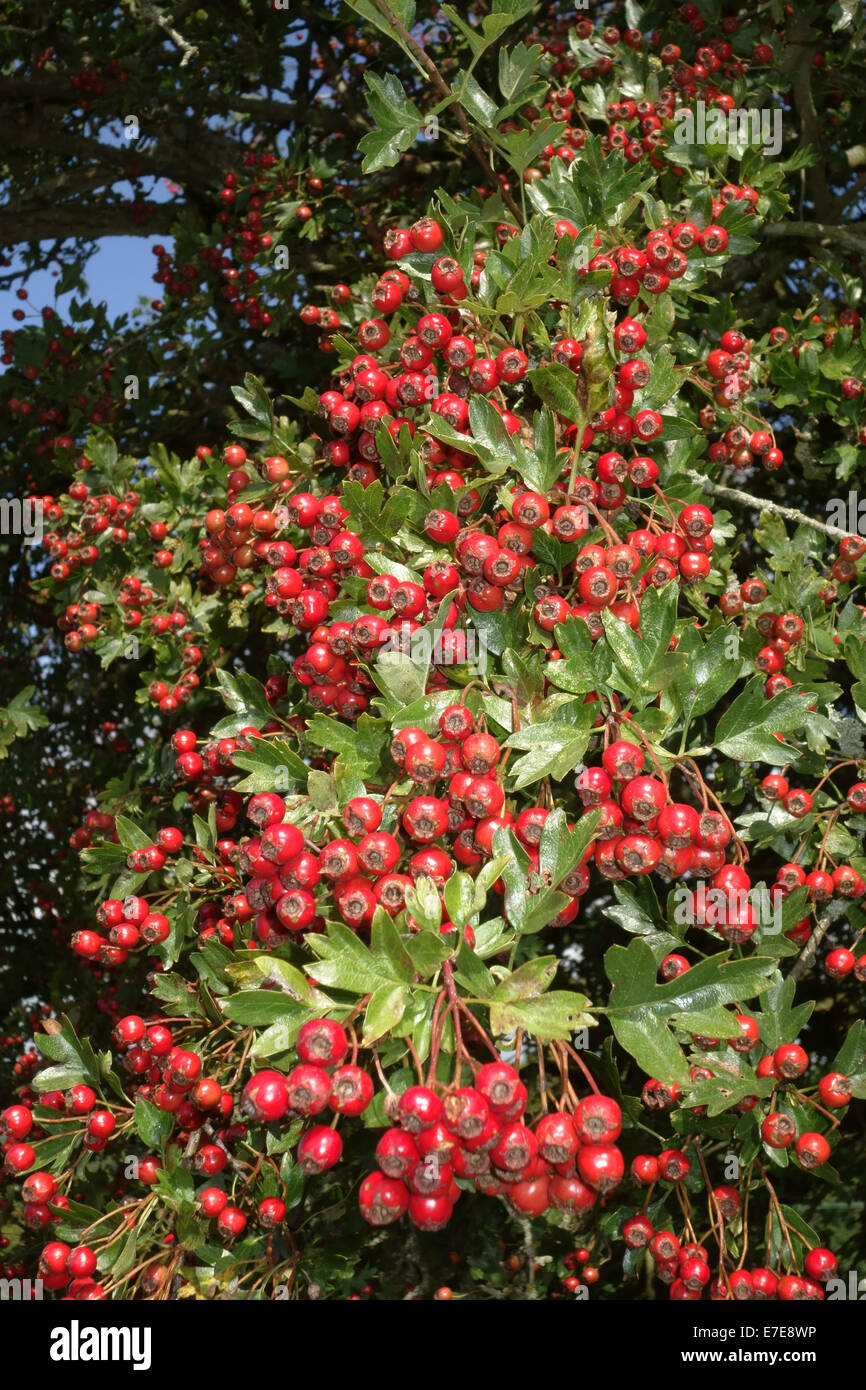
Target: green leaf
(58, 1078)
(639, 655)
(398, 122)
(387, 945)
(639, 1009)
(400, 677)
(130, 835)
(258, 1007)
(496, 631)
(281, 1036)
(16, 720)
(556, 385)
(428, 950)
(126, 1259)
(204, 835)
(576, 672)
(746, 729)
(526, 910)
(384, 1010)
(471, 972)
(378, 517)
(403, 10)
(551, 1016)
(725, 1090)
(851, 1059)
(560, 848)
(654, 1048)
(75, 1056)
(663, 382)
(539, 467)
(273, 766)
(255, 400)
(778, 1021)
(489, 432)
(322, 791)
(344, 962)
(552, 749)
(293, 1179)
(272, 970)
(525, 675)
(802, 1227)
(712, 668)
(517, 66)
(459, 898)
(361, 746)
(506, 13)
(104, 859)
(347, 782)
(475, 100)
(637, 911)
(174, 1182)
(422, 902)
(177, 995)
(247, 700)
(528, 981)
(152, 1125)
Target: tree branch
(806, 958)
(759, 504)
(87, 220)
(801, 45)
(845, 234)
(187, 49)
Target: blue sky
(119, 272)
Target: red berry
(320, 1148)
(266, 1097)
(601, 1167)
(322, 1042)
(598, 1120)
(778, 1130)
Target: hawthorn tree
(462, 895)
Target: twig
(436, 1027)
(529, 1252)
(542, 1078)
(806, 958)
(774, 1202)
(485, 1038)
(761, 505)
(460, 1052)
(187, 49)
(415, 1058)
(562, 1044)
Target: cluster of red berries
(728, 368)
(478, 1132)
(243, 202)
(684, 1265)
